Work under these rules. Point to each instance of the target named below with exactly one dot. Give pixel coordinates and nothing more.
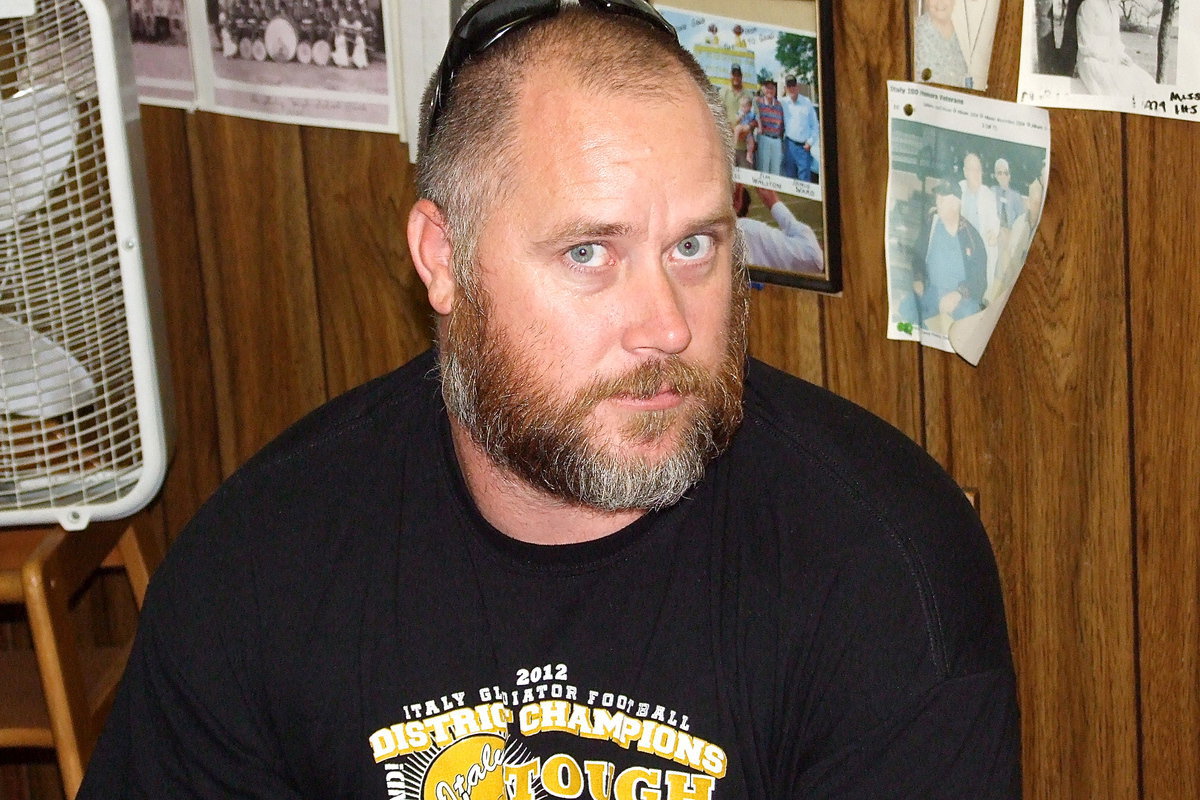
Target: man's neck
(524, 512)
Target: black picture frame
(771, 41)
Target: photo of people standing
(768, 81)
(340, 33)
(773, 134)
(776, 71)
(801, 132)
(314, 62)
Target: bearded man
(584, 548)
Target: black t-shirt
(819, 617)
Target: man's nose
(655, 313)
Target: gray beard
(495, 394)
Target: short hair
(948, 186)
(462, 163)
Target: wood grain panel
(1006, 53)
(286, 280)
(785, 331)
(252, 218)
(1040, 427)
(870, 49)
(374, 313)
(195, 468)
(1165, 343)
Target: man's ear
(431, 250)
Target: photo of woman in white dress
(1103, 65)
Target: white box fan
(84, 411)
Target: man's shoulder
(806, 425)
(806, 421)
(398, 402)
(338, 467)
(858, 496)
(312, 515)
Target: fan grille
(68, 417)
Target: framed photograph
(772, 62)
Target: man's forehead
(586, 160)
(572, 102)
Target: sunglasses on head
(489, 21)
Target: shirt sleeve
(959, 740)
(804, 251)
(909, 691)
(188, 720)
(885, 634)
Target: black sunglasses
(489, 21)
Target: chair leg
(47, 602)
(60, 565)
(142, 555)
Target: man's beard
(503, 401)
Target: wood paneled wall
(287, 281)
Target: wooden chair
(57, 694)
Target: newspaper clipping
(965, 194)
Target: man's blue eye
(693, 246)
(586, 254)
